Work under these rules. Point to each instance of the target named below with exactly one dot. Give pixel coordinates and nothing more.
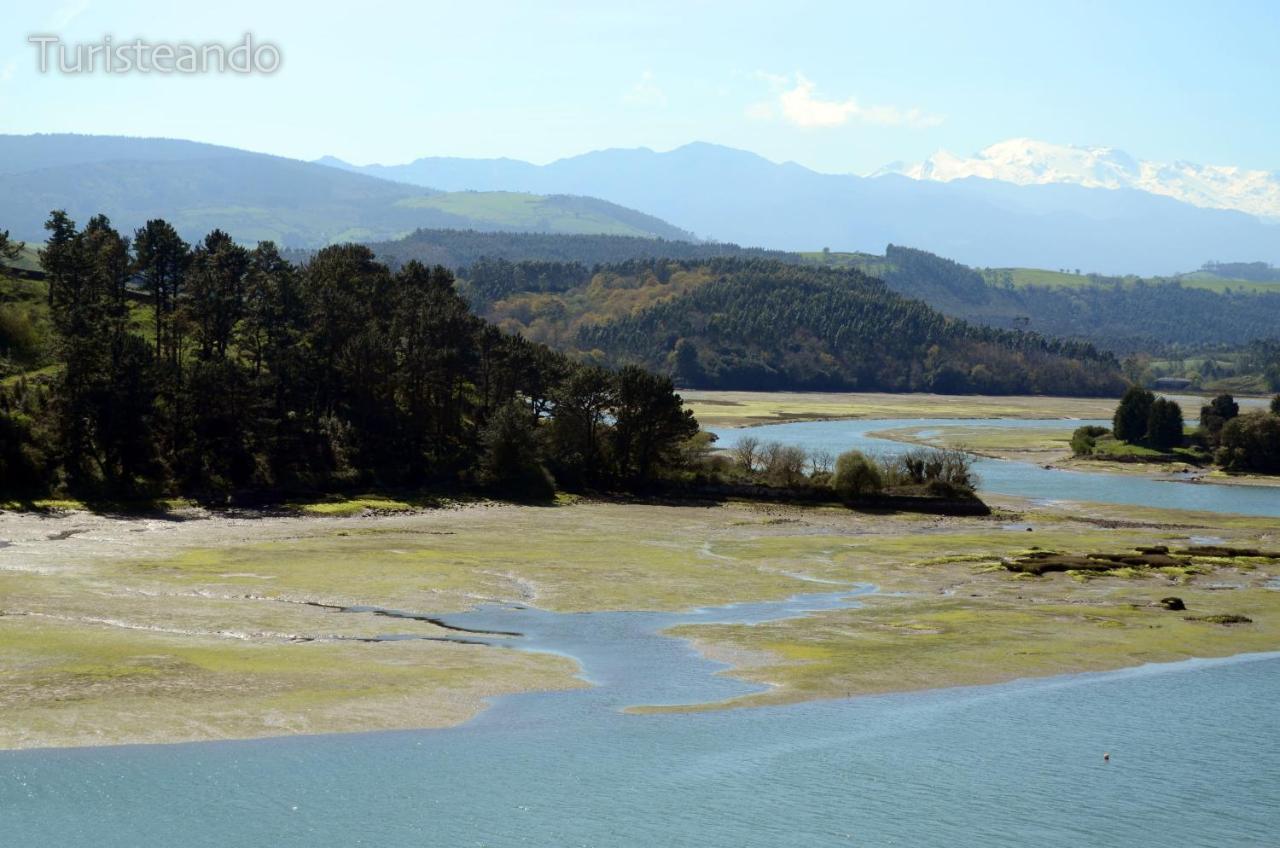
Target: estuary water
(1195, 761)
(1194, 746)
(1023, 479)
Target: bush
(855, 476)
(948, 465)
(1275, 405)
(1085, 439)
(1251, 442)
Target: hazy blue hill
(729, 194)
(255, 196)
(50, 150)
(452, 174)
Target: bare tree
(821, 462)
(786, 465)
(767, 454)
(746, 453)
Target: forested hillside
(758, 324)
(216, 369)
(1123, 315)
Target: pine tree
(1164, 424)
(1130, 421)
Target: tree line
(462, 248)
(215, 368)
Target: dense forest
(760, 324)
(215, 369)
(458, 248)
(1122, 315)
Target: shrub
(1085, 439)
(951, 466)
(1251, 442)
(855, 476)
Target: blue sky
(841, 87)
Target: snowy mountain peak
(1026, 161)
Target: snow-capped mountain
(1029, 162)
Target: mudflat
(200, 625)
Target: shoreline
(776, 696)
(1061, 460)
(1174, 666)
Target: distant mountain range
(253, 196)
(728, 194)
(716, 192)
(1025, 161)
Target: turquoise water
(1025, 479)
(1195, 761)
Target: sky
(842, 87)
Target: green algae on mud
(127, 629)
(967, 634)
(78, 683)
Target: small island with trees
(1147, 428)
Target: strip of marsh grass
(737, 409)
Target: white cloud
(646, 92)
(795, 100)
